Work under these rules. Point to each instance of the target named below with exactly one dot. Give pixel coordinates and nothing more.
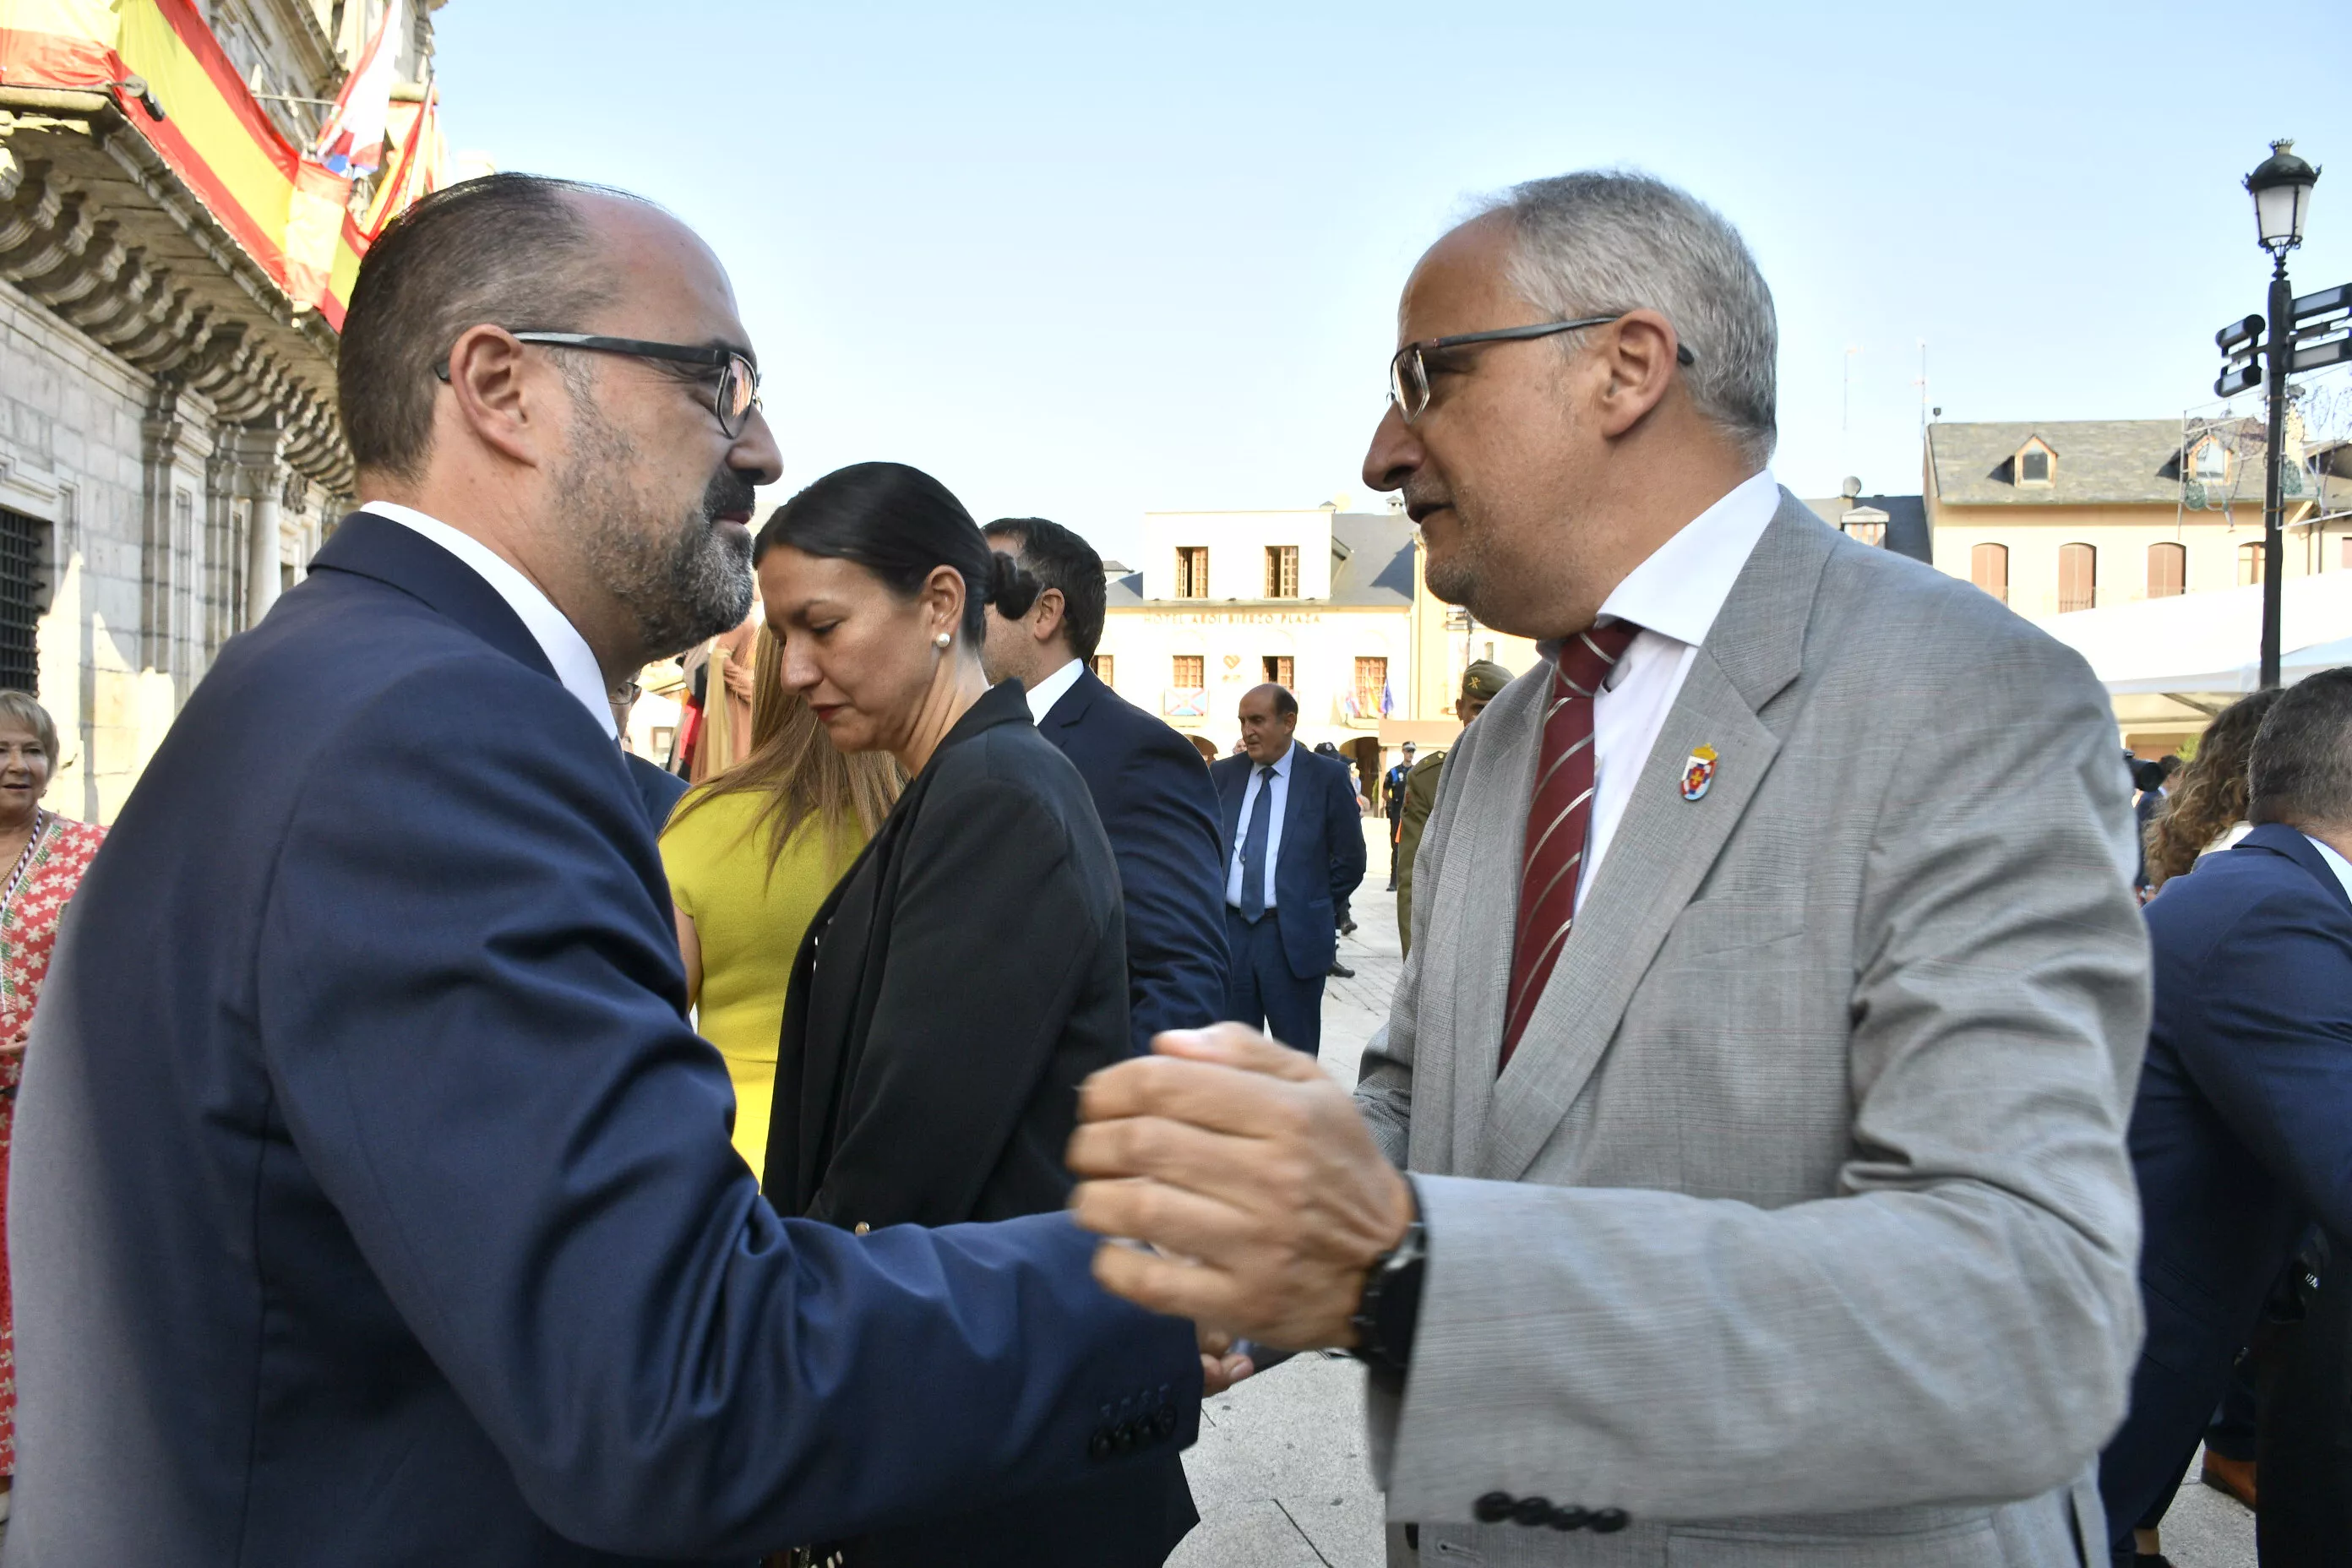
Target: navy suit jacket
(658, 790)
(373, 1202)
(1322, 854)
(1157, 808)
(2243, 1132)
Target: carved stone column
(158, 566)
(262, 479)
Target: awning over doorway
(2211, 643)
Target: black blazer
(2241, 1134)
(371, 1197)
(1159, 812)
(969, 971)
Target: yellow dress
(750, 923)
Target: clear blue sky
(1090, 261)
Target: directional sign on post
(2241, 356)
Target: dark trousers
(2304, 1451)
(1396, 841)
(1263, 993)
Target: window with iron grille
(1281, 571)
(21, 538)
(2078, 577)
(2167, 570)
(1189, 671)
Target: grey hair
(1602, 242)
(20, 707)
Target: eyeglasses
(737, 394)
(626, 692)
(1409, 377)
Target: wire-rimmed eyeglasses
(732, 400)
(1409, 377)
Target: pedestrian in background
(751, 855)
(2205, 803)
(2241, 1139)
(1482, 682)
(969, 971)
(1393, 800)
(1294, 836)
(1149, 787)
(45, 855)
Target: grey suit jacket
(1801, 1226)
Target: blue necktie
(1254, 847)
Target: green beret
(1484, 679)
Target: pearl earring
(943, 639)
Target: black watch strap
(1389, 1310)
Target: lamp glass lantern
(2281, 187)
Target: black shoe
(1348, 930)
(1391, 886)
(1340, 971)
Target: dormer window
(2035, 462)
(2212, 463)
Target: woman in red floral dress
(42, 857)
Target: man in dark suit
(1149, 787)
(373, 1200)
(658, 789)
(1295, 845)
(1392, 796)
(2242, 1136)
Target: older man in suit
(2242, 1134)
(1295, 843)
(1149, 787)
(1763, 1062)
(382, 1210)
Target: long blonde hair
(792, 764)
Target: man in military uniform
(1393, 801)
(1481, 684)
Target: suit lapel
(1665, 844)
(371, 546)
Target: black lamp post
(2281, 187)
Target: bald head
(1269, 716)
(519, 251)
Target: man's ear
(1636, 354)
(1047, 622)
(497, 397)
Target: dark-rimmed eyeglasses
(733, 399)
(1409, 377)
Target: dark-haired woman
(971, 969)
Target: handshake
(1253, 1180)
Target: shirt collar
(567, 651)
(1281, 764)
(2336, 863)
(1052, 690)
(1681, 588)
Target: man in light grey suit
(1776, 996)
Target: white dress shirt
(2336, 863)
(1050, 690)
(1673, 597)
(567, 651)
(1281, 785)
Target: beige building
(2079, 514)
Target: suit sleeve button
(1098, 1444)
(1610, 1520)
(1124, 1437)
(1495, 1508)
(1531, 1511)
(1569, 1517)
(860, 1228)
(1163, 1422)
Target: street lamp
(2281, 187)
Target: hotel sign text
(1235, 618)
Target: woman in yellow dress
(751, 856)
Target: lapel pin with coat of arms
(1698, 772)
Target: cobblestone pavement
(1280, 1473)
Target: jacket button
(1163, 1422)
(1610, 1520)
(1569, 1517)
(1532, 1511)
(860, 1228)
(1495, 1508)
(1124, 1439)
(1098, 1444)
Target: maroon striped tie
(1557, 818)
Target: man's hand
(1221, 1365)
(1241, 1156)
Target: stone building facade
(170, 454)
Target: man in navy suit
(2242, 1136)
(1149, 787)
(373, 1200)
(1295, 851)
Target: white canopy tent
(2211, 643)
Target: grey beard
(681, 587)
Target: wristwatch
(1389, 1310)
